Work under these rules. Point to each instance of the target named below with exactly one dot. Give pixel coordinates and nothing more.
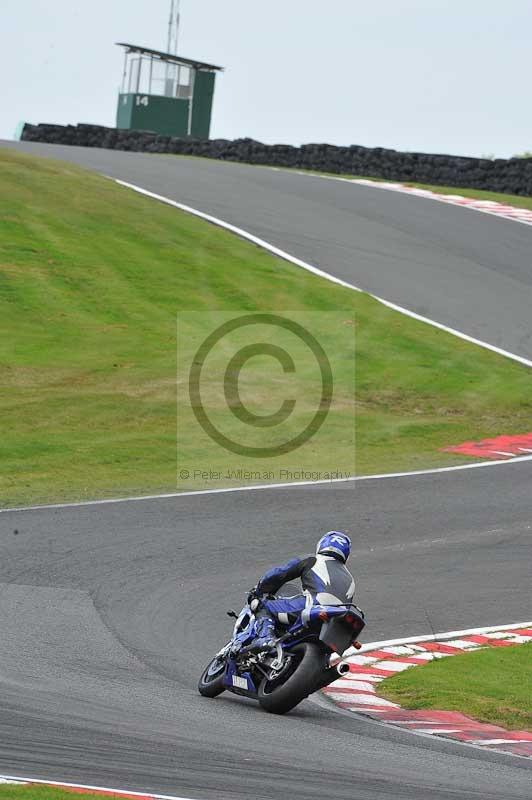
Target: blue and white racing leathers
(325, 581)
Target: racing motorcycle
(297, 665)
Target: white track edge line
(262, 486)
(93, 788)
(520, 359)
(321, 273)
(527, 362)
(239, 232)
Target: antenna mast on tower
(173, 27)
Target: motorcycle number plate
(240, 683)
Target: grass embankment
(11, 791)
(91, 278)
(492, 685)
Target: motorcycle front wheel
(287, 691)
(211, 683)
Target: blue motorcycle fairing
(245, 631)
(239, 683)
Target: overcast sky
(448, 76)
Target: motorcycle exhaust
(332, 674)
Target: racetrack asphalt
(109, 612)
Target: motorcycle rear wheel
(211, 683)
(279, 698)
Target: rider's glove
(253, 595)
(254, 598)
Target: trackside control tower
(165, 93)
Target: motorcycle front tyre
(211, 682)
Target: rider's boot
(266, 634)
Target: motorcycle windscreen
(337, 635)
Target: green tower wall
(170, 116)
(148, 112)
(202, 104)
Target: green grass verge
(91, 278)
(11, 791)
(492, 685)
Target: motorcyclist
(325, 580)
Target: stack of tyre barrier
(513, 176)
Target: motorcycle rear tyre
(302, 682)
